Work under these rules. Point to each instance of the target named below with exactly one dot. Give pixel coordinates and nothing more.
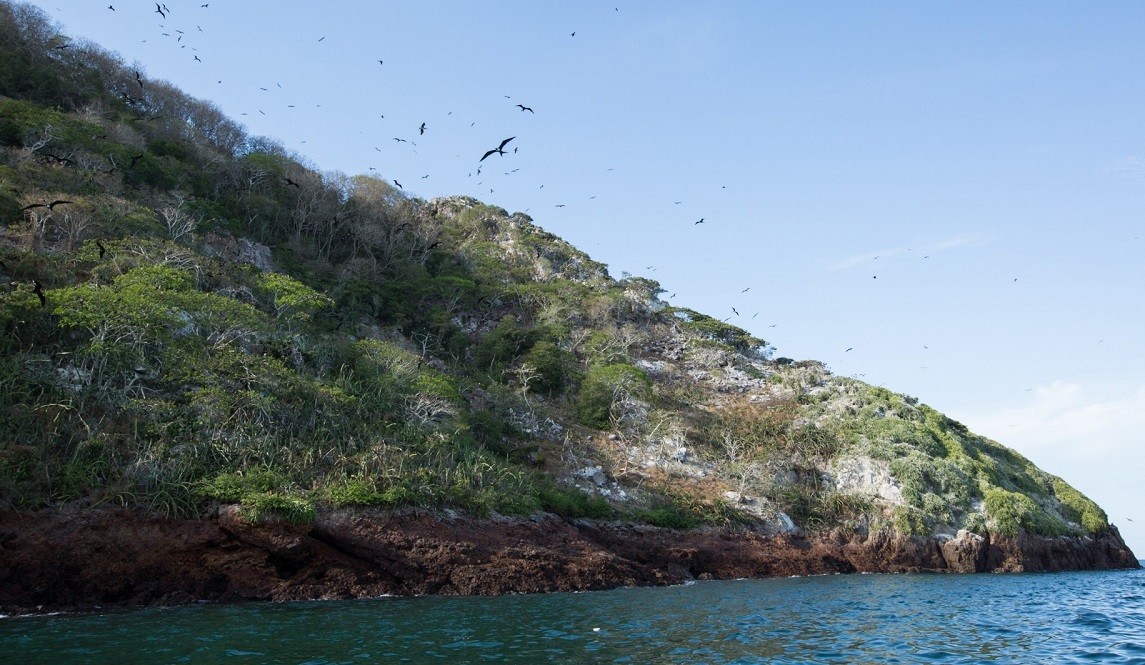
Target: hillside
(194, 318)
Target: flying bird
(159, 10)
(500, 150)
(102, 249)
(735, 311)
(525, 108)
(849, 348)
(111, 8)
(746, 290)
(197, 59)
(292, 183)
(700, 222)
(49, 206)
(37, 288)
(398, 184)
(421, 130)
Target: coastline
(77, 560)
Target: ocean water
(1096, 617)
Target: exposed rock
(52, 560)
(239, 250)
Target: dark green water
(1071, 617)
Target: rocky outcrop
(52, 560)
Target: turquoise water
(1051, 618)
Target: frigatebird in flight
(525, 108)
(500, 150)
(49, 206)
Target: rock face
(51, 560)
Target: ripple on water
(1078, 617)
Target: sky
(942, 199)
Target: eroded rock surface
(52, 560)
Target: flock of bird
(167, 15)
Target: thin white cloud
(1064, 417)
(921, 251)
(1130, 168)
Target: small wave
(1093, 620)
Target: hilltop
(207, 337)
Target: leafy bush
(293, 509)
(502, 344)
(1011, 512)
(570, 502)
(603, 387)
(1079, 508)
(554, 367)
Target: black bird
(699, 222)
(37, 288)
(398, 184)
(421, 130)
(111, 8)
(49, 206)
(746, 290)
(500, 150)
(321, 39)
(197, 59)
(102, 249)
(525, 108)
(292, 183)
(159, 10)
(380, 62)
(135, 160)
(735, 311)
(139, 80)
(849, 348)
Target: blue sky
(955, 192)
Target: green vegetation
(222, 324)
(945, 471)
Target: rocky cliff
(88, 559)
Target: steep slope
(198, 319)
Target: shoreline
(101, 559)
